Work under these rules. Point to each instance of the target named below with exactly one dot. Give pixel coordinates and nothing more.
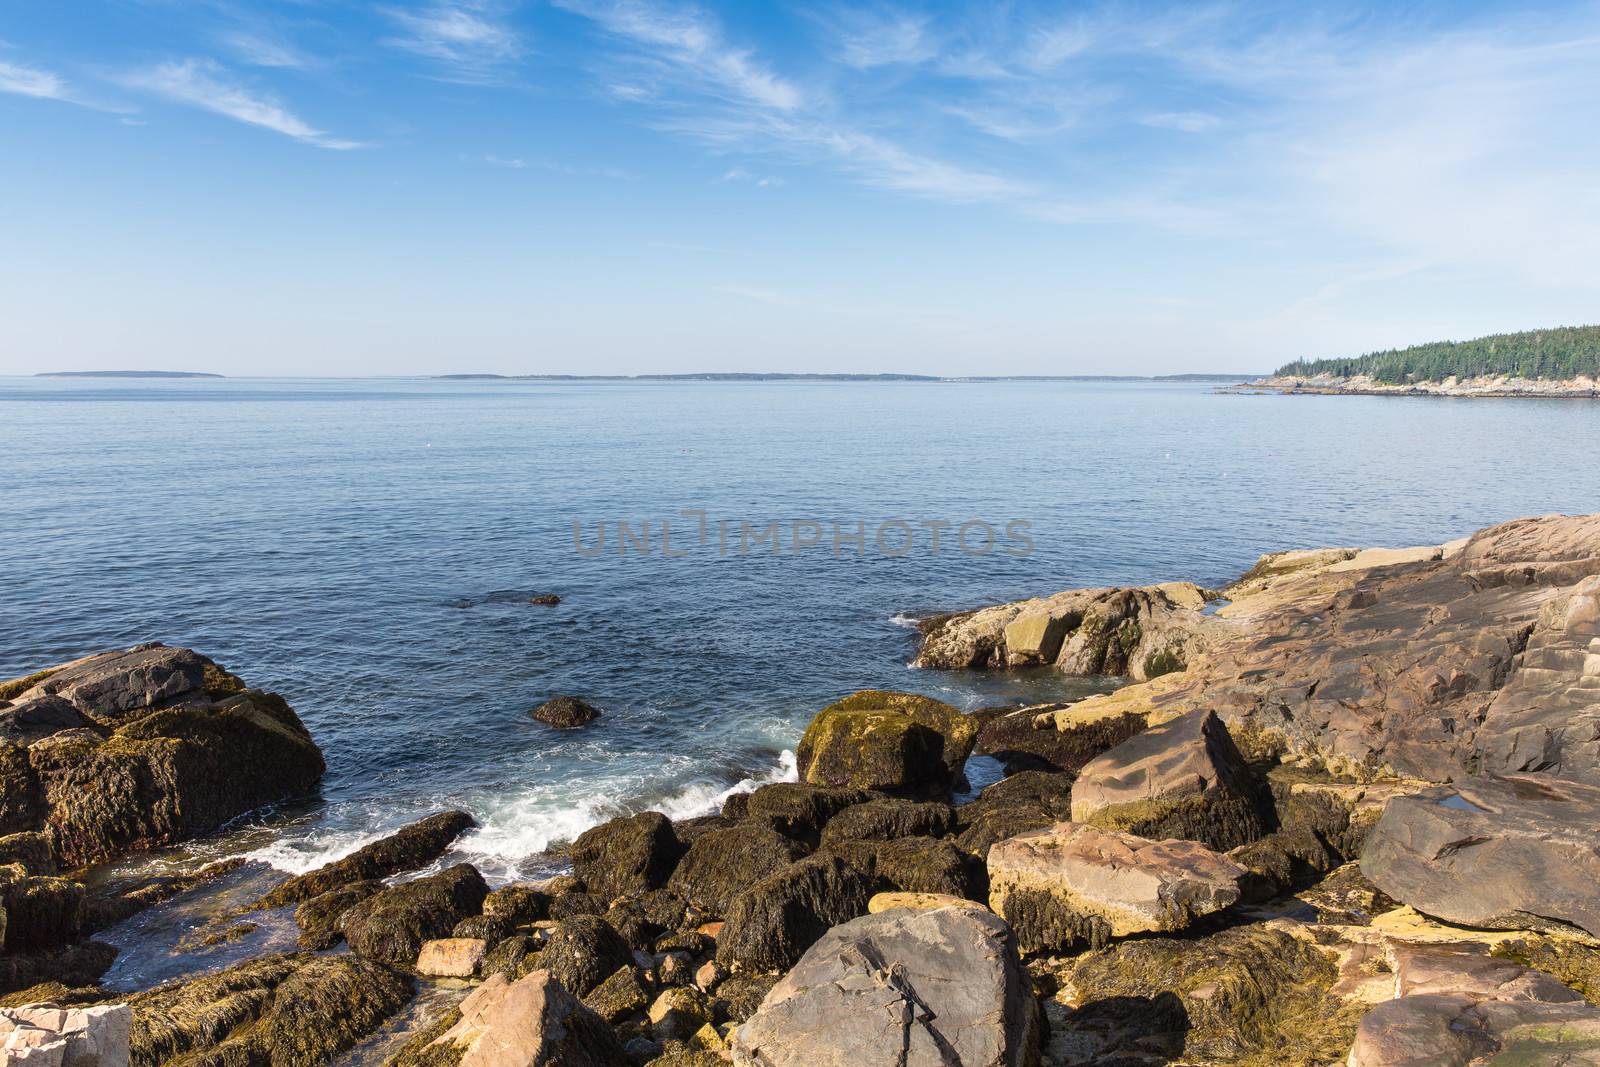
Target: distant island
(732, 376)
(1559, 362)
(125, 374)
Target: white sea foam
(908, 621)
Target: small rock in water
(565, 712)
(547, 600)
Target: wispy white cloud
(20, 80)
(469, 40)
(29, 81)
(1182, 121)
(687, 45)
(870, 38)
(760, 181)
(260, 49)
(508, 163)
(202, 84)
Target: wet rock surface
(565, 712)
(391, 925)
(407, 849)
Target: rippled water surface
(367, 548)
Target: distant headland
(1559, 362)
(125, 374)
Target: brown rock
(407, 849)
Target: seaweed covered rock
(916, 865)
(903, 744)
(565, 712)
(1247, 996)
(38, 912)
(518, 903)
(147, 747)
(797, 810)
(319, 917)
(916, 988)
(1184, 778)
(392, 925)
(773, 922)
(293, 1011)
(723, 863)
(530, 1022)
(1074, 884)
(1517, 852)
(887, 819)
(407, 849)
(621, 995)
(632, 854)
(583, 951)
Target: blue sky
(625, 186)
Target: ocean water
(368, 548)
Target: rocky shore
(1343, 813)
(1499, 385)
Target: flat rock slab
(1518, 852)
(1076, 882)
(940, 988)
(1445, 1030)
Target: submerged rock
(632, 854)
(915, 988)
(565, 712)
(407, 849)
(773, 922)
(1517, 852)
(1075, 884)
(1184, 778)
(898, 743)
(392, 925)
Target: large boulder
(898, 743)
(407, 849)
(888, 819)
(391, 926)
(723, 863)
(131, 750)
(319, 917)
(1184, 778)
(583, 951)
(932, 988)
(633, 854)
(1517, 852)
(38, 912)
(773, 922)
(916, 865)
(530, 1022)
(1074, 884)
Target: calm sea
(368, 548)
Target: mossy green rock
(903, 744)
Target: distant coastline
(1561, 361)
(126, 374)
(1486, 386)
(789, 377)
